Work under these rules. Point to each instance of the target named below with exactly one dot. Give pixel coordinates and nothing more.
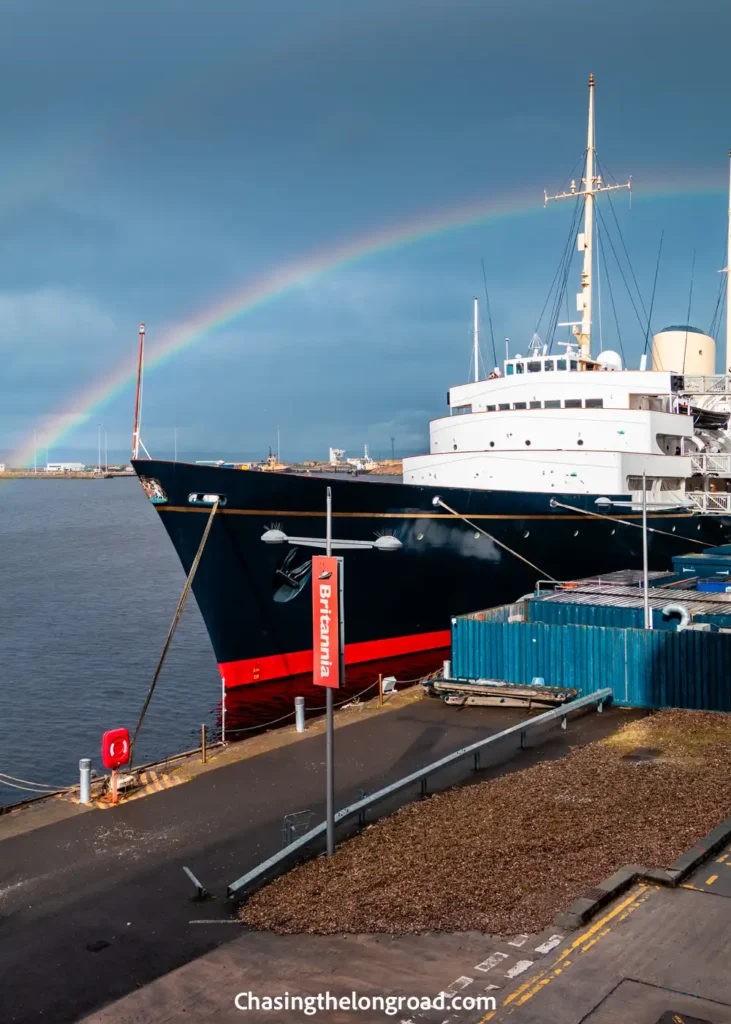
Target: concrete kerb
(583, 909)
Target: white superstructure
(567, 423)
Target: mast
(138, 396)
(583, 334)
(476, 338)
(592, 185)
(727, 367)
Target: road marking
(722, 858)
(462, 982)
(522, 965)
(538, 981)
(711, 880)
(491, 988)
(519, 940)
(492, 961)
(549, 944)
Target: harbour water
(89, 583)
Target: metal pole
(329, 724)
(380, 688)
(223, 710)
(204, 752)
(299, 713)
(85, 780)
(645, 584)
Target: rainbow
(285, 279)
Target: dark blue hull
(256, 599)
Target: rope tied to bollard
(174, 624)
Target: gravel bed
(507, 854)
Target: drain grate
(595, 894)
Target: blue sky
(157, 155)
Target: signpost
(328, 653)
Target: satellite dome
(609, 360)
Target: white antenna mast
(592, 185)
(728, 280)
(476, 338)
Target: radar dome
(684, 349)
(609, 360)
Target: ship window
(560, 364)
(503, 406)
(519, 405)
(460, 410)
(510, 369)
(518, 367)
(489, 408)
(579, 442)
(534, 366)
(527, 442)
(534, 405)
(574, 365)
(594, 403)
(572, 403)
(548, 364)
(553, 403)
(492, 444)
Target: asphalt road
(97, 905)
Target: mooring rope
(30, 787)
(174, 625)
(546, 575)
(626, 522)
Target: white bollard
(85, 780)
(447, 670)
(299, 713)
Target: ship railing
(718, 384)
(708, 501)
(282, 860)
(719, 464)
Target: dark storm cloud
(157, 154)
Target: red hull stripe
(279, 666)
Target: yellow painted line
(584, 942)
(711, 880)
(290, 514)
(722, 858)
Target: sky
(157, 157)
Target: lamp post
(387, 543)
(606, 502)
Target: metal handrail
(711, 501)
(271, 867)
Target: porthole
(420, 536)
(526, 534)
(579, 441)
(455, 447)
(527, 442)
(612, 533)
(698, 526)
(576, 533)
(492, 444)
(673, 529)
(477, 536)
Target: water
(89, 583)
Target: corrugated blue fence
(644, 668)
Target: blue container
(644, 668)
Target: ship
(543, 469)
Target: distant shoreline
(24, 474)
